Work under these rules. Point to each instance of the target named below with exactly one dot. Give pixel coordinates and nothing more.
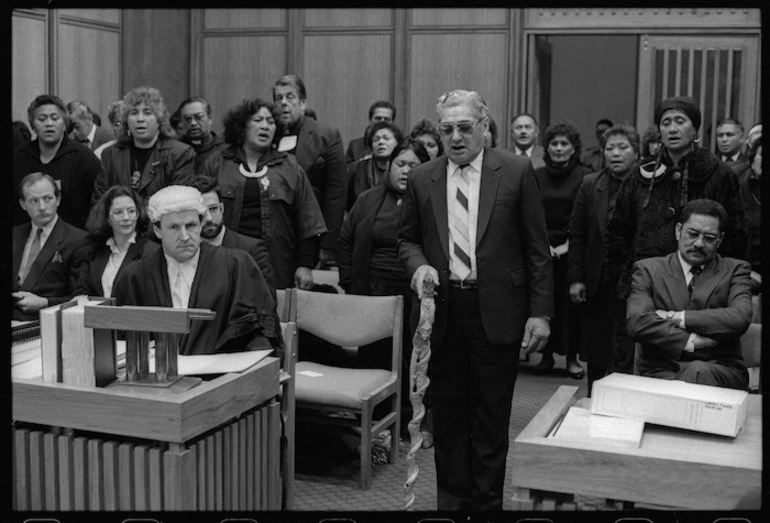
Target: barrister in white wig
(186, 273)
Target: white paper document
(581, 426)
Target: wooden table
(671, 468)
(213, 447)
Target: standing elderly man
(524, 135)
(186, 273)
(689, 309)
(318, 150)
(84, 129)
(474, 222)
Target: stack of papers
(580, 426)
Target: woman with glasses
(381, 138)
(115, 239)
(559, 182)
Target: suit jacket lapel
(438, 203)
(46, 254)
(675, 284)
(158, 284)
(97, 268)
(490, 179)
(602, 200)
(204, 259)
(706, 282)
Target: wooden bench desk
(670, 469)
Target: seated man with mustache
(186, 273)
(689, 309)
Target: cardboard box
(702, 408)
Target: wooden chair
(288, 410)
(345, 396)
(751, 348)
(283, 305)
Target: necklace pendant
(135, 177)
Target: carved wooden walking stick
(418, 384)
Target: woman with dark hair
(592, 293)
(381, 138)
(115, 226)
(367, 254)
(146, 156)
(559, 181)
(266, 194)
(425, 132)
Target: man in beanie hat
(186, 273)
(649, 202)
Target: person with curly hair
(146, 157)
(381, 138)
(559, 183)
(116, 227)
(266, 194)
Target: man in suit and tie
(730, 145)
(318, 150)
(84, 130)
(689, 309)
(524, 135)
(473, 222)
(214, 231)
(45, 262)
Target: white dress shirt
(474, 185)
(113, 263)
(186, 271)
(528, 151)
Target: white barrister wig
(174, 198)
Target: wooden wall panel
(457, 17)
(92, 73)
(444, 62)
(28, 55)
(238, 67)
(380, 18)
(244, 18)
(343, 75)
(107, 16)
(158, 52)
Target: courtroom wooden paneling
(233, 19)
(344, 74)
(29, 58)
(460, 17)
(238, 67)
(105, 16)
(434, 69)
(158, 52)
(348, 18)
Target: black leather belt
(464, 284)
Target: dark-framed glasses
(447, 129)
(119, 213)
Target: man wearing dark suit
(45, 263)
(380, 111)
(524, 135)
(318, 150)
(474, 223)
(730, 145)
(689, 309)
(214, 231)
(84, 129)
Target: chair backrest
(350, 320)
(283, 306)
(751, 345)
(289, 332)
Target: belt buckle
(467, 284)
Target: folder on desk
(715, 410)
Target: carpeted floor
(328, 480)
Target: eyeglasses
(448, 129)
(217, 207)
(119, 213)
(198, 117)
(693, 235)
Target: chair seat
(327, 388)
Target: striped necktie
(461, 260)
